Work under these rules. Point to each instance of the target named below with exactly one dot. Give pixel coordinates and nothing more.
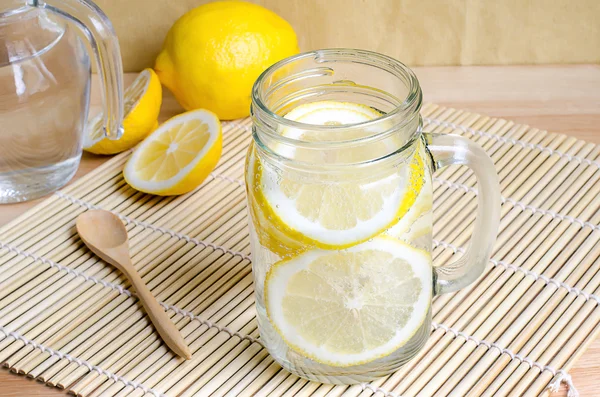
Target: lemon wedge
(350, 307)
(178, 156)
(334, 214)
(143, 99)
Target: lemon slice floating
(421, 227)
(335, 214)
(278, 241)
(143, 99)
(329, 113)
(350, 307)
(416, 222)
(178, 156)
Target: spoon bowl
(101, 228)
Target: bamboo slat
(68, 319)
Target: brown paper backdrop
(418, 32)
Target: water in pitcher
(44, 91)
(341, 260)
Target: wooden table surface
(563, 99)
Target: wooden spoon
(104, 234)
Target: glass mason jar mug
(339, 183)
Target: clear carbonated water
(44, 94)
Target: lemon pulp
(178, 156)
(345, 308)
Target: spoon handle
(163, 324)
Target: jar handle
(99, 31)
(448, 149)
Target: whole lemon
(213, 54)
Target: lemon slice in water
(350, 307)
(340, 213)
(417, 212)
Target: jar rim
(410, 105)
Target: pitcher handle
(447, 149)
(94, 22)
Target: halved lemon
(178, 156)
(143, 99)
(350, 307)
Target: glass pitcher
(341, 214)
(45, 91)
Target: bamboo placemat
(69, 320)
